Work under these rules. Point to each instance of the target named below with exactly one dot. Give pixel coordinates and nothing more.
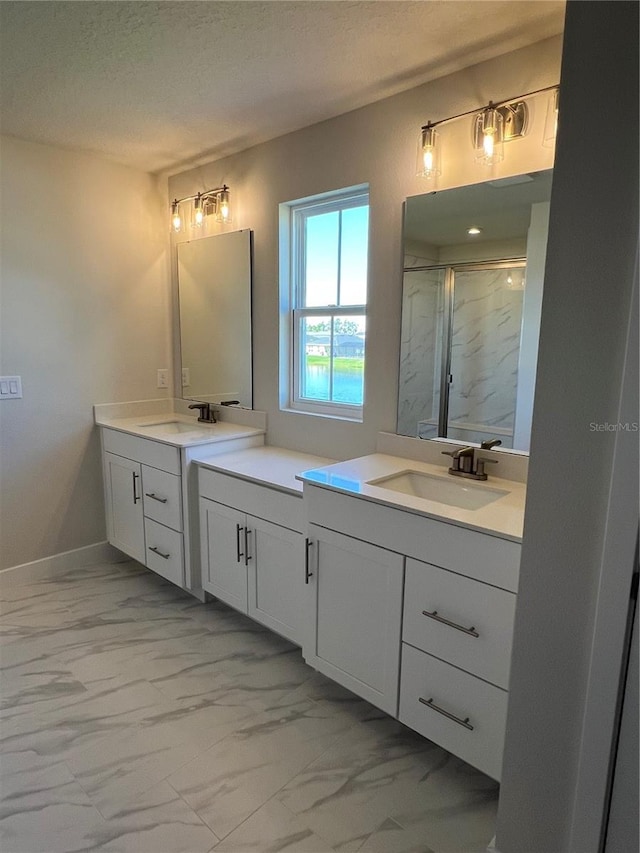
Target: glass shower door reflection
(485, 345)
(421, 351)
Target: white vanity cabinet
(123, 492)
(143, 490)
(355, 611)
(416, 616)
(456, 651)
(149, 486)
(253, 550)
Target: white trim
(293, 216)
(58, 564)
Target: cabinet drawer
(475, 713)
(487, 558)
(164, 551)
(478, 630)
(153, 453)
(162, 497)
(261, 501)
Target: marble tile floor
(135, 718)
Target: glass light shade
(198, 212)
(428, 159)
(551, 121)
(176, 219)
(489, 136)
(223, 207)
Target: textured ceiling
(156, 85)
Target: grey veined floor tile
(135, 719)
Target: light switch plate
(10, 388)
(186, 379)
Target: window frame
(299, 213)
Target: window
(328, 294)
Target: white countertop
(503, 517)
(271, 466)
(155, 427)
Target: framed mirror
(214, 286)
(472, 296)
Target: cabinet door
(224, 562)
(123, 488)
(357, 610)
(276, 577)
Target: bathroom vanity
(398, 580)
(150, 483)
(253, 534)
(411, 601)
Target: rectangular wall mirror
(472, 296)
(214, 285)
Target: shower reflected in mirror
(472, 295)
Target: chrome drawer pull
(155, 497)
(308, 574)
(159, 553)
(430, 704)
(434, 615)
(239, 554)
(247, 556)
(135, 491)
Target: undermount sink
(171, 427)
(440, 489)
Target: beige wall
(85, 318)
(376, 144)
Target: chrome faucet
(207, 414)
(488, 443)
(465, 463)
(464, 456)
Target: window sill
(290, 410)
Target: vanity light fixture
(428, 161)
(224, 210)
(176, 219)
(198, 211)
(488, 135)
(207, 203)
(492, 126)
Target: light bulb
(489, 136)
(176, 219)
(224, 208)
(428, 160)
(487, 143)
(198, 212)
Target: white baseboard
(100, 552)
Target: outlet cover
(163, 378)
(186, 379)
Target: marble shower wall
(485, 344)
